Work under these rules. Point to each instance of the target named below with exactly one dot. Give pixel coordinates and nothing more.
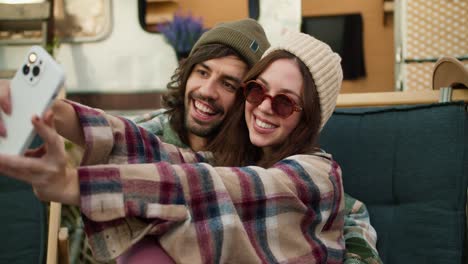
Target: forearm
(109, 192)
(360, 236)
(67, 122)
(135, 190)
(113, 139)
(163, 193)
(72, 191)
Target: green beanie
(245, 36)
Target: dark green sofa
(23, 222)
(409, 165)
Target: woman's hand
(66, 121)
(45, 168)
(5, 103)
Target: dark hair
(232, 146)
(173, 100)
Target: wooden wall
(378, 36)
(211, 11)
(215, 11)
(378, 41)
(378, 33)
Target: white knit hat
(323, 64)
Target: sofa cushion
(409, 165)
(23, 222)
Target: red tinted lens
(282, 105)
(254, 93)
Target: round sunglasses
(281, 104)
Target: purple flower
(182, 32)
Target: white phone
(32, 89)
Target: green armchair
(409, 165)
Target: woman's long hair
(232, 146)
(173, 100)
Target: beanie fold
(323, 64)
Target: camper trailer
(399, 132)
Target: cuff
(98, 134)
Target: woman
(289, 123)
(290, 212)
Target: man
(200, 95)
(203, 89)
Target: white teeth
(204, 108)
(263, 124)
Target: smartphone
(33, 89)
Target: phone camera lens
(26, 69)
(36, 70)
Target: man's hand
(46, 168)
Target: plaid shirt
(360, 236)
(292, 212)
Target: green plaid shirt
(360, 236)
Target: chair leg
(63, 246)
(54, 226)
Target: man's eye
(230, 86)
(202, 72)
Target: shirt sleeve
(150, 116)
(116, 140)
(303, 195)
(153, 121)
(360, 236)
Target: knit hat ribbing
(245, 36)
(323, 64)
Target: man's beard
(203, 131)
(198, 128)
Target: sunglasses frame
(295, 106)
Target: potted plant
(182, 33)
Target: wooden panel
(215, 11)
(31, 11)
(160, 11)
(378, 41)
(211, 11)
(396, 98)
(118, 101)
(378, 33)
